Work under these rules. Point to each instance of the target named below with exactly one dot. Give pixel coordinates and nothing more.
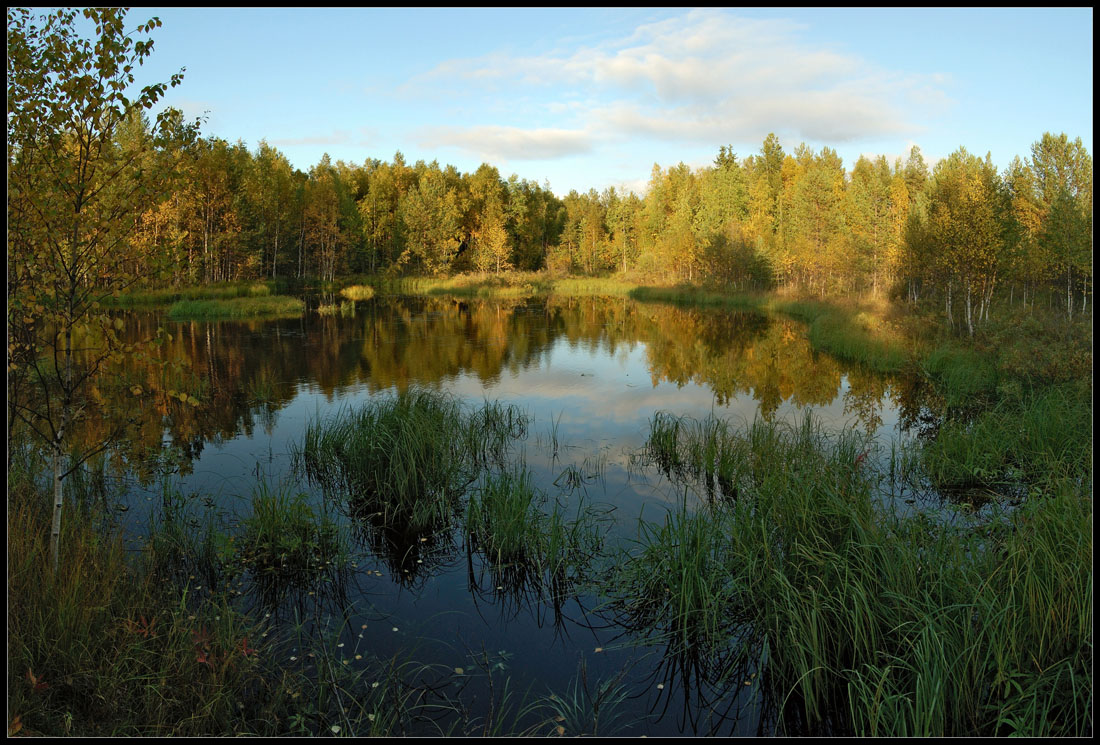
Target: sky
(583, 98)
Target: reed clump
(286, 540)
(358, 292)
(525, 536)
(408, 457)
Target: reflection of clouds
(613, 397)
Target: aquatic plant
(358, 292)
(409, 457)
(525, 536)
(286, 541)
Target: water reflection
(598, 362)
(590, 372)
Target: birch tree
(75, 196)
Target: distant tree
(431, 217)
(1063, 171)
(967, 227)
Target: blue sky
(587, 98)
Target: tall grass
(285, 542)
(697, 296)
(358, 292)
(103, 647)
(407, 458)
(963, 375)
(879, 623)
(511, 284)
(525, 536)
(1008, 445)
(346, 309)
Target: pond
(589, 374)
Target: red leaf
(37, 684)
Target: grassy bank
(280, 306)
(143, 298)
(504, 285)
(105, 648)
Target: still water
(590, 373)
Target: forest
(795, 220)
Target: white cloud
(705, 77)
(496, 143)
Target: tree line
(774, 219)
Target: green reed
(408, 457)
(285, 540)
(1009, 444)
(876, 623)
(525, 536)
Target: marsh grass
(1008, 445)
(676, 586)
(512, 284)
(854, 333)
(285, 542)
(408, 458)
(962, 375)
(687, 295)
(104, 647)
(587, 708)
(358, 292)
(851, 333)
(280, 306)
(261, 389)
(875, 622)
(526, 538)
(704, 453)
(345, 309)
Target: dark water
(591, 373)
